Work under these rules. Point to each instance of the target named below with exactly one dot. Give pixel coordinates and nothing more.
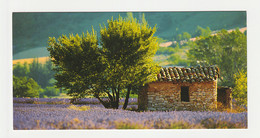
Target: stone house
(184, 89)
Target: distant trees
(20, 70)
(204, 32)
(165, 50)
(41, 73)
(186, 36)
(227, 50)
(182, 38)
(38, 73)
(120, 64)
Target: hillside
(42, 54)
(41, 60)
(31, 30)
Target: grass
(211, 123)
(207, 123)
(79, 108)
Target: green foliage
(179, 38)
(122, 62)
(240, 89)
(165, 50)
(38, 73)
(51, 91)
(25, 87)
(41, 73)
(202, 32)
(161, 40)
(186, 36)
(176, 60)
(20, 70)
(128, 48)
(78, 63)
(226, 50)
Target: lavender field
(60, 114)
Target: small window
(185, 94)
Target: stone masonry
(166, 96)
(165, 93)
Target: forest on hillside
(31, 30)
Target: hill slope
(31, 30)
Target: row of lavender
(65, 100)
(60, 116)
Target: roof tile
(193, 74)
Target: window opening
(185, 94)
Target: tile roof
(193, 74)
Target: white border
(9, 6)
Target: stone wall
(166, 96)
(225, 96)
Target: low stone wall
(166, 96)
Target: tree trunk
(127, 98)
(117, 98)
(106, 105)
(110, 97)
(113, 92)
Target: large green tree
(122, 61)
(128, 48)
(227, 50)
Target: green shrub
(51, 91)
(240, 89)
(25, 87)
(165, 51)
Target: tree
(128, 48)
(226, 50)
(77, 62)
(186, 36)
(179, 38)
(41, 73)
(20, 70)
(122, 62)
(25, 87)
(240, 89)
(202, 32)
